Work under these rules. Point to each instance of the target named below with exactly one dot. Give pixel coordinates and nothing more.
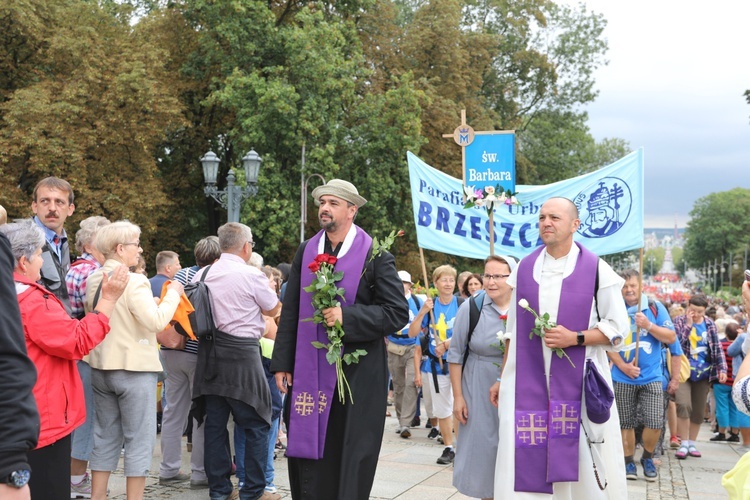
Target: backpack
(202, 319)
(475, 310)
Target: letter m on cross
(463, 138)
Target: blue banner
(491, 161)
(610, 202)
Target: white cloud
(674, 86)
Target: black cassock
(355, 431)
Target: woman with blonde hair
(438, 327)
(125, 365)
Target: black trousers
(50, 471)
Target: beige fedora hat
(340, 189)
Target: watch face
(19, 478)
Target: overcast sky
(674, 85)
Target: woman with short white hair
(125, 366)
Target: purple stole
(314, 386)
(547, 426)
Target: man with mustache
(52, 205)
(323, 461)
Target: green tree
(653, 259)
(92, 114)
(123, 97)
(559, 145)
(718, 225)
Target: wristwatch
(18, 478)
(580, 338)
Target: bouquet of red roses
(325, 295)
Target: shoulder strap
(205, 271)
(416, 301)
(596, 292)
(654, 308)
(475, 310)
(98, 293)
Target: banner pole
(463, 156)
(427, 286)
(638, 306)
(492, 231)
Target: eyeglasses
(447, 280)
(496, 277)
(137, 243)
(252, 244)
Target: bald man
(544, 420)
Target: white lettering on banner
(489, 157)
(454, 197)
(459, 224)
(487, 176)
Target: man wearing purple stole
(333, 447)
(548, 444)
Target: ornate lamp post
(232, 197)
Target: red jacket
(54, 342)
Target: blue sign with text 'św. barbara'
(491, 161)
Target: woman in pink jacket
(55, 342)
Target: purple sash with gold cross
(547, 425)
(314, 386)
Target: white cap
(405, 277)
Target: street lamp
(232, 197)
(304, 182)
(714, 276)
(303, 203)
(651, 261)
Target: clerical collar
(324, 245)
(327, 247)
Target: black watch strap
(580, 339)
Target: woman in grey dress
(476, 450)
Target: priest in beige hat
(323, 462)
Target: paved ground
(407, 471)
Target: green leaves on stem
(541, 325)
(325, 295)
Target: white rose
(523, 303)
(489, 190)
(514, 200)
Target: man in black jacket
(19, 419)
(323, 463)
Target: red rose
(321, 258)
(400, 233)
(332, 260)
(314, 267)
